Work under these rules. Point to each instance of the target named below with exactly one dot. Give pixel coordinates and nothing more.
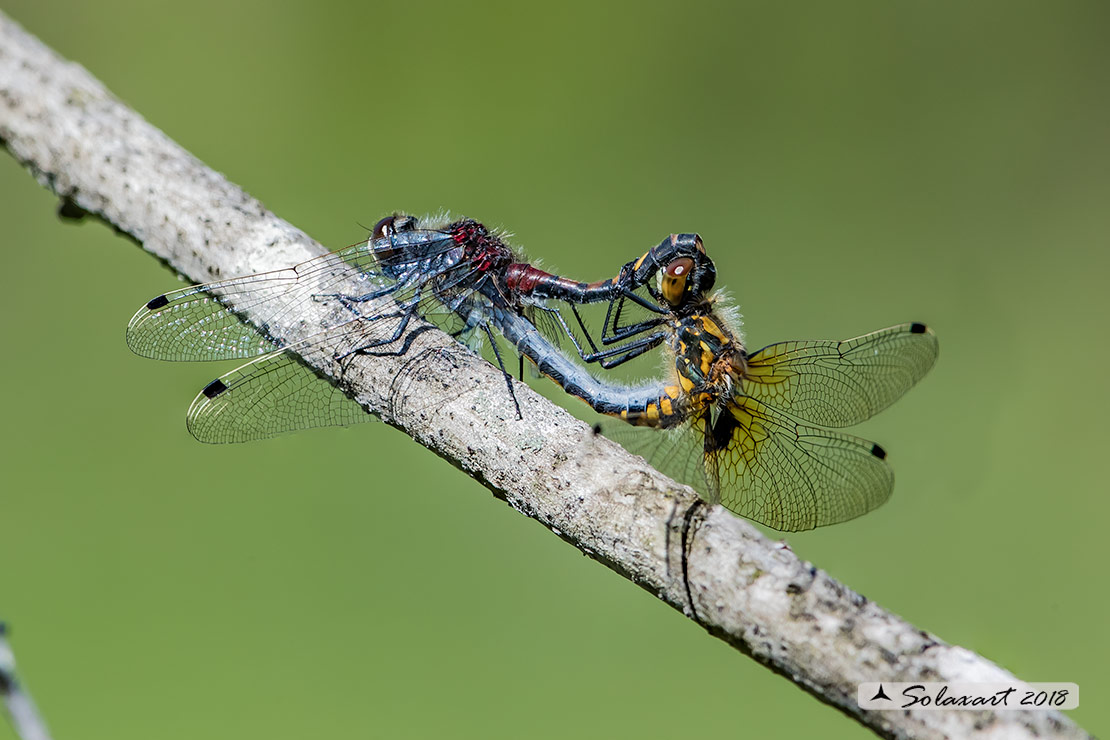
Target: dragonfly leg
(609, 318)
(348, 301)
(405, 313)
(567, 330)
(614, 332)
(634, 348)
(585, 331)
(644, 302)
(625, 352)
(626, 332)
(610, 358)
(504, 372)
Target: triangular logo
(881, 694)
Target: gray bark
(93, 151)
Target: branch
(22, 712)
(103, 159)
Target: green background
(849, 165)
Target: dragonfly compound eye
(382, 238)
(673, 283)
(392, 225)
(383, 229)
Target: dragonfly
(460, 274)
(749, 430)
(730, 423)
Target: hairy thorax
(709, 360)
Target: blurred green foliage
(849, 165)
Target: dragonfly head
(688, 278)
(387, 238)
(392, 225)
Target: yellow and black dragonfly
(750, 430)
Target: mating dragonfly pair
(747, 429)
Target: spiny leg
(566, 328)
(582, 326)
(624, 333)
(615, 356)
(631, 331)
(348, 301)
(501, 364)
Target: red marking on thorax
(483, 249)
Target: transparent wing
(279, 392)
(837, 384)
(677, 452)
(766, 467)
(270, 395)
(204, 322)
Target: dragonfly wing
(791, 477)
(677, 453)
(837, 384)
(205, 322)
(279, 392)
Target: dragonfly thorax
(709, 360)
(482, 248)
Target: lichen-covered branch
(103, 159)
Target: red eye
(680, 267)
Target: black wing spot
(878, 452)
(916, 328)
(215, 388)
(157, 303)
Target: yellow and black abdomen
(666, 411)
